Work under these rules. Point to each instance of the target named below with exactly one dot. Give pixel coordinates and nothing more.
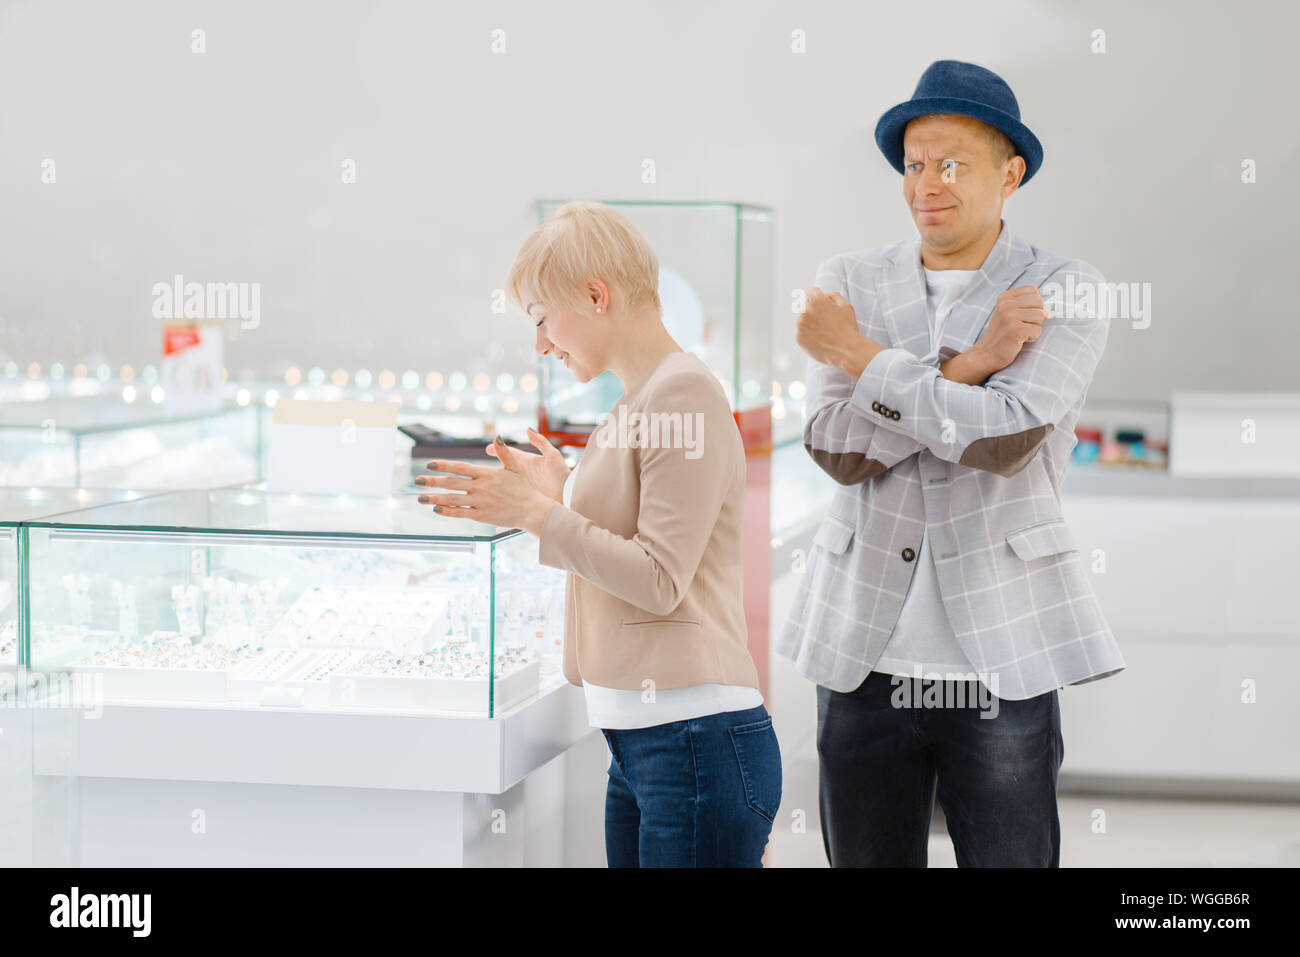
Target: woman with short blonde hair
(650, 534)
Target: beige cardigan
(652, 541)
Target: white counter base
(157, 785)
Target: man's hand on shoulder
(1017, 318)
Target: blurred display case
(106, 442)
(787, 427)
(801, 498)
(1123, 432)
(801, 491)
(234, 596)
(715, 286)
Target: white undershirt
(923, 634)
(618, 708)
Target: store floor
(1140, 831)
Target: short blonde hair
(581, 241)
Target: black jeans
(878, 761)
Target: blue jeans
(996, 776)
(697, 793)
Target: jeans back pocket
(759, 757)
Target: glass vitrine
(715, 286)
(19, 505)
(105, 442)
(243, 597)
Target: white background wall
(226, 166)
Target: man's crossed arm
(990, 407)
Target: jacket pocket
(759, 757)
(1042, 539)
(633, 622)
(834, 535)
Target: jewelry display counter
(327, 679)
(18, 505)
(25, 504)
(1196, 577)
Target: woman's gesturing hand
(546, 472)
(485, 493)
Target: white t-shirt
(618, 708)
(924, 634)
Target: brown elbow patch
(847, 468)
(1005, 454)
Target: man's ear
(1014, 177)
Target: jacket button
(908, 554)
(893, 414)
(875, 407)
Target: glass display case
(801, 490)
(715, 286)
(241, 596)
(106, 442)
(19, 505)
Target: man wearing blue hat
(944, 600)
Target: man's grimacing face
(952, 210)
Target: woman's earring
(598, 308)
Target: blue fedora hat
(951, 86)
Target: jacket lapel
(902, 297)
(905, 310)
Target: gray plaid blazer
(977, 467)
